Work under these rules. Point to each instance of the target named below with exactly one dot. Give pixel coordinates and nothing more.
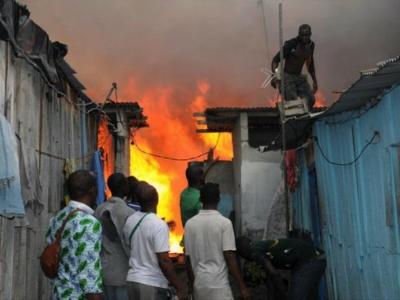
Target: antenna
(269, 74)
(113, 88)
(262, 7)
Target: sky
(149, 44)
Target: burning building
(120, 121)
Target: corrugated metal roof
(127, 104)
(371, 86)
(133, 111)
(240, 109)
(273, 109)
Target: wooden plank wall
(44, 123)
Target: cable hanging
(371, 141)
(175, 158)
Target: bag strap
(136, 226)
(61, 229)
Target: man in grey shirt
(115, 253)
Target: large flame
(172, 134)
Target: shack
(257, 186)
(48, 128)
(348, 192)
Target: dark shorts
(296, 86)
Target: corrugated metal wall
(360, 203)
(300, 198)
(49, 124)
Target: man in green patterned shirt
(79, 272)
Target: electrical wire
(347, 163)
(175, 158)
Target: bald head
(147, 196)
(305, 33)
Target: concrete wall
(258, 187)
(221, 172)
(121, 142)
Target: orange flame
(104, 144)
(148, 169)
(221, 141)
(320, 100)
(172, 133)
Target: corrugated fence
(359, 200)
(49, 128)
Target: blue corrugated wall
(360, 203)
(302, 219)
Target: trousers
(140, 291)
(115, 292)
(305, 280)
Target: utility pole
(283, 120)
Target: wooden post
(283, 131)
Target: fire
(104, 143)
(221, 141)
(320, 100)
(145, 167)
(172, 134)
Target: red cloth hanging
(291, 169)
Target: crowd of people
(120, 250)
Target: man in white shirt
(211, 250)
(150, 268)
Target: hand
(275, 83)
(315, 87)
(181, 294)
(246, 295)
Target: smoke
(179, 42)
